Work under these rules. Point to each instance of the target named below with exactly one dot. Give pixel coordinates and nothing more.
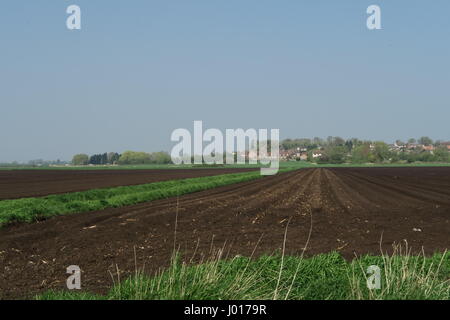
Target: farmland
(34, 183)
(41, 208)
(349, 211)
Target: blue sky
(137, 70)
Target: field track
(349, 209)
(35, 183)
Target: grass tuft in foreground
(325, 276)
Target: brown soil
(34, 183)
(349, 209)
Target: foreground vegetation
(39, 208)
(325, 276)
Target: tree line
(128, 157)
(339, 150)
(330, 150)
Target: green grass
(322, 277)
(39, 208)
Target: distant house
(397, 147)
(252, 155)
(428, 148)
(304, 156)
(283, 155)
(317, 154)
(446, 144)
(412, 146)
(294, 154)
(287, 154)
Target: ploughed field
(350, 210)
(16, 184)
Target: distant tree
(412, 141)
(335, 141)
(381, 151)
(334, 154)
(94, 159)
(426, 141)
(360, 153)
(133, 157)
(329, 140)
(442, 154)
(288, 144)
(80, 159)
(349, 145)
(338, 141)
(160, 158)
(112, 157)
(426, 157)
(395, 157)
(104, 158)
(356, 142)
(317, 141)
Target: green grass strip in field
(39, 208)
